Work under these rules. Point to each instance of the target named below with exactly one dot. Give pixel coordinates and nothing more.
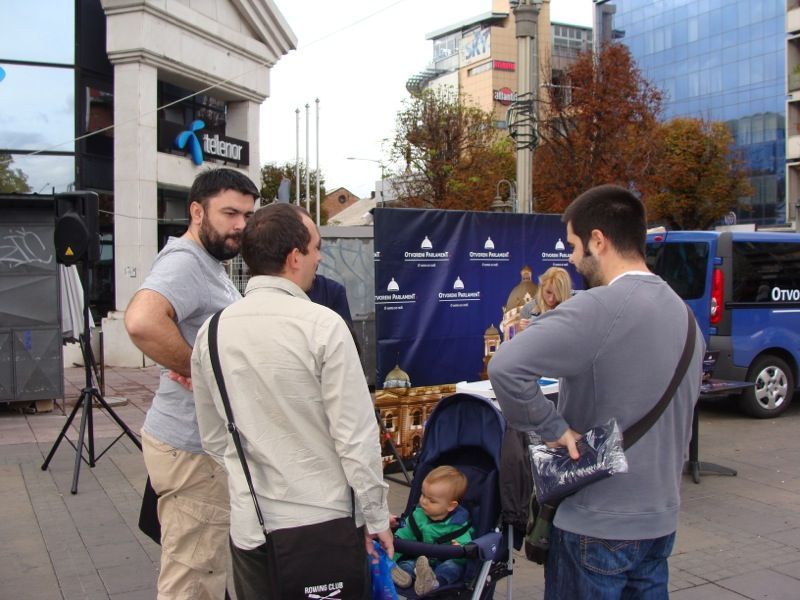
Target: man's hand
(178, 378)
(569, 441)
(385, 539)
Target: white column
(243, 123)
(135, 154)
(135, 201)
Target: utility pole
(308, 169)
(297, 157)
(319, 200)
(524, 109)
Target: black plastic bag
(148, 514)
(556, 475)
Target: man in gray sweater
(615, 348)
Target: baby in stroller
(438, 519)
(463, 433)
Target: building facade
(793, 112)
(338, 200)
(722, 60)
(132, 99)
(477, 57)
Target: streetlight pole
(319, 201)
(526, 20)
(297, 158)
(383, 174)
(308, 169)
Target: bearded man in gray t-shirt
(186, 285)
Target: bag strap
(635, 432)
(237, 441)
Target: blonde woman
(555, 286)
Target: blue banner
(449, 286)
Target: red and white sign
(505, 96)
(504, 65)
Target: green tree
(699, 179)
(599, 129)
(12, 180)
(272, 174)
(452, 154)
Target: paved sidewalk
(739, 537)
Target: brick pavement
(739, 537)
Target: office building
(725, 60)
(477, 57)
(131, 99)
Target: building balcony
(792, 16)
(794, 82)
(793, 147)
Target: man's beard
(221, 247)
(590, 271)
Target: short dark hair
(270, 236)
(215, 181)
(613, 210)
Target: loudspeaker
(76, 233)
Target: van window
(766, 272)
(682, 265)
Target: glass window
(99, 116)
(680, 33)
(37, 108)
(388, 421)
(682, 265)
(35, 34)
(730, 76)
(765, 272)
(694, 84)
(42, 173)
(188, 107)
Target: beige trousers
(194, 511)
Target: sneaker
(426, 579)
(401, 578)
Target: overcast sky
(355, 56)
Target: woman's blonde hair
(562, 286)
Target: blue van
(744, 289)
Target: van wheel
(772, 390)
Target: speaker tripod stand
(89, 395)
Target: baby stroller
(466, 432)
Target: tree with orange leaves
(698, 179)
(452, 153)
(599, 129)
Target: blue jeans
(580, 566)
(447, 572)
